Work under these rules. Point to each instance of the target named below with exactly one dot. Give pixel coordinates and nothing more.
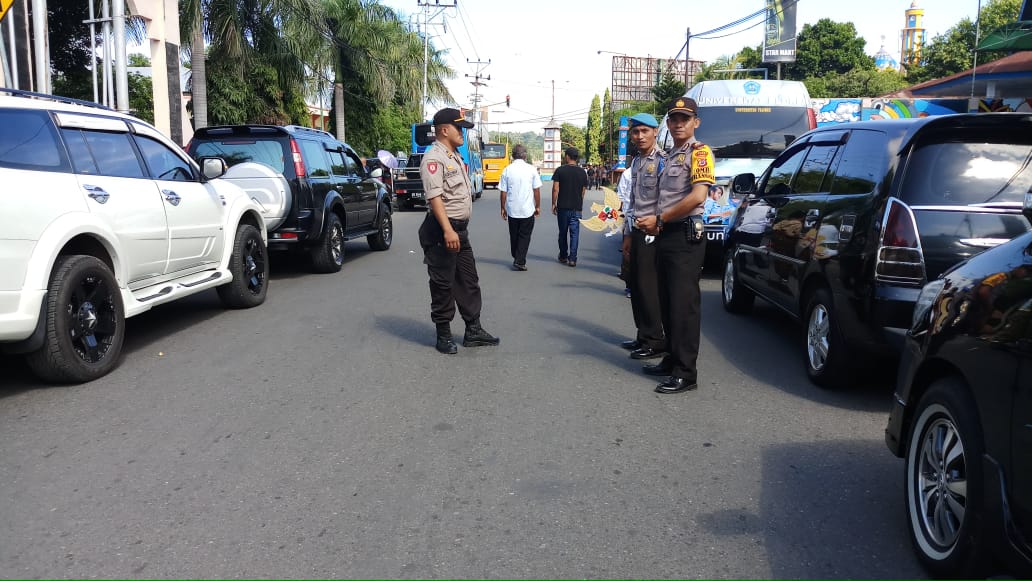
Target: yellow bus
(496, 159)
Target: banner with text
(779, 37)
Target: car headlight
(925, 301)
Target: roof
(908, 129)
(1012, 76)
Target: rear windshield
(423, 133)
(494, 151)
(415, 159)
(269, 152)
(750, 131)
(960, 174)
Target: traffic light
(506, 100)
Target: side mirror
(743, 184)
(213, 167)
(1026, 208)
(378, 172)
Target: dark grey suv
(849, 222)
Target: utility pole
(687, 61)
(480, 65)
(426, 5)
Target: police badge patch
(431, 167)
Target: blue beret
(644, 119)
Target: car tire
(823, 346)
(943, 481)
(85, 322)
(249, 265)
(385, 231)
(328, 255)
(735, 297)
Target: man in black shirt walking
(568, 185)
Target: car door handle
(811, 218)
(97, 193)
(171, 197)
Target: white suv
(102, 218)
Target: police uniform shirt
(444, 175)
(684, 168)
(645, 171)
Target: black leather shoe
(476, 336)
(646, 352)
(676, 385)
(631, 344)
(657, 369)
(446, 345)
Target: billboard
(779, 35)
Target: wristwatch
(659, 221)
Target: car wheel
(824, 347)
(385, 232)
(736, 298)
(85, 322)
(943, 480)
(249, 266)
(328, 255)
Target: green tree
(668, 89)
(593, 135)
(858, 83)
(827, 47)
(572, 135)
(953, 51)
(606, 146)
(138, 60)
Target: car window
(82, 159)
(163, 163)
(337, 165)
(29, 141)
(958, 173)
(862, 165)
(113, 154)
(780, 180)
(234, 151)
(814, 169)
(354, 165)
(316, 160)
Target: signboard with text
(779, 35)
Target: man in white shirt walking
(520, 187)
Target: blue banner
(622, 160)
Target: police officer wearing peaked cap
(444, 236)
(675, 218)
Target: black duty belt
(458, 224)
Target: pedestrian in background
(445, 239)
(520, 187)
(569, 182)
(650, 341)
(675, 218)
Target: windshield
(750, 131)
(494, 151)
(957, 174)
(423, 133)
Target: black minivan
(848, 223)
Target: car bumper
(19, 313)
(895, 433)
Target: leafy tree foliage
(827, 47)
(857, 83)
(668, 89)
(952, 51)
(572, 135)
(534, 142)
(593, 135)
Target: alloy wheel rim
(941, 483)
(91, 319)
(817, 333)
(729, 281)
(337, 244)
(385, 227)
(254, 266)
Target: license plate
(419, 196)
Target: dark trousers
(520, 230)
(569, 233)
(643, 282)
(453, 275)
(679, 268)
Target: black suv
(408, 187)
(849, 222)
(327, 198)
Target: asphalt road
(321, 435)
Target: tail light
(299, 163)
(900, 258)
(811, 117)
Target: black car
(850, 221)
(328, 196)
(962, 416)
(408, 186)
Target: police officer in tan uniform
(645, 169)
(445, 239)
(676, 221)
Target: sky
(532, 43)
